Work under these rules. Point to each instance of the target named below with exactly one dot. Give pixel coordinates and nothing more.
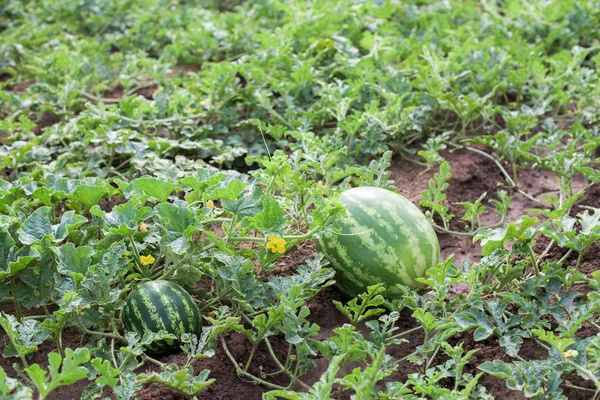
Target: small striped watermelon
(161, 305)
(385, 239)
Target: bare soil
(473, 175)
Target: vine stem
(289, 238)
(105, 334)
(293, 376)
(528, 196)
(141, 269)
(216, 299)
(483, 153)
(579, 258)
(533, 260)
(578, 388)
(161, 120)
(241, 372)
(152, 360)
(16, 302)
(59, 343)
(506, 175)
(251, 357)
(433, 356)
(469, 233)
(451, 232)
(564, 258)
(401, 334)
(546, 250)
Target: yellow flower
(147, 260)
(210, 204)
(143, 227)
(570, 353)
(276, 244)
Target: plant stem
(152, 360)
(40, 317)
(289, 238)
(579, 258)
(216, 299)
(507, 177)
(533, 260)
(112, 353)
(141, 269)
(564, 258)
(578, 388)
(451, 232)
(18, 312)
(105, 334)
(546, 250)
(112, 155)
(251, 357)
(437, 349)
(241, 372)
(284, 369)
(211, 220)
(59, 343)
(529, 197)
(401, 334)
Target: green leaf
(125, 219)
(247, 205)
(23, 258)
(36, 226)
(24, 337)
(44, 195)
(590, 222)
(278, 167)
(180, 379)
(271, 218)
(521, 230)
(74, 259)
(364, 306)
(38, 283)
(322, 389)
(12, 389)
(475, 319)
(153, 187)
(68, 222)
(89, 195)
(128, 388)
(180, 223)
(62, 372)
(108, 374)
(6, 248)
(226, 190)
(560, 344)
(4, 290)
(204, 179)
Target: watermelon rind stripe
(161, 305)
(386, 239)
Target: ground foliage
(198, 141)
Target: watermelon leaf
(364, 306)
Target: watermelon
(161, 305)
(384, 239)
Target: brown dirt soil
(473, 174)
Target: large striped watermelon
(161, 305)
(385, 239)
